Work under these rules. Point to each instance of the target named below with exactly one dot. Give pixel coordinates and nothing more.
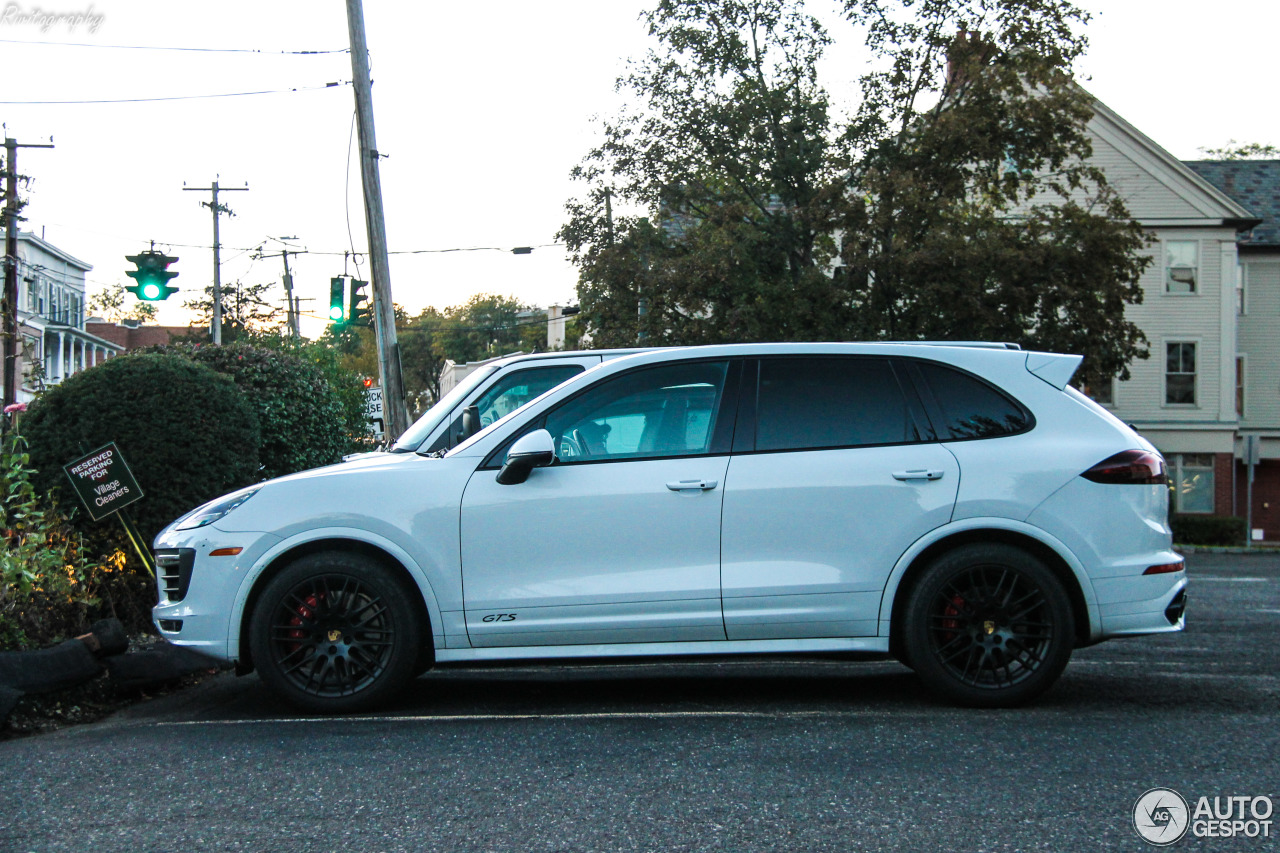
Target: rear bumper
(1146, 604)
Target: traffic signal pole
(215, 327)
(9, 305)
(384, 318)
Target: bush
(1208, 529)
(187, 433)
(305, 422)
(49, 590)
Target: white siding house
(51, 317)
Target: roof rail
(977, 344)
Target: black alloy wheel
(989, 625)
(335, 632)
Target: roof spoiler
(1054, 368)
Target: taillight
(1129, 466)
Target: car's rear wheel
(988, 625)
(336, 632)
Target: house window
(1240, 290)
(1240, 386)
(1181, 266)
(1191, 482)
(1104, 392)
(1180, 374)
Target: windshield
(432, 417)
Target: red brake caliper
(306, 610)
(952, 610)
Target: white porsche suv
(958, 507)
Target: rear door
(835, 473)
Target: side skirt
(861, 645)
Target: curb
(74, 662)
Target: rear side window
(811, 403)
(963, 406)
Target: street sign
(103, 481)
(373, 410)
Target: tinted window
(659, 411)
(969, 407)
(829, 402)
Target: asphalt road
(736, 756)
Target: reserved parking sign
(103, 481)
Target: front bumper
(200, 592)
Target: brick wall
(1222, 463)
(1266, 496)
(136, 337)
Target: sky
(481, 110)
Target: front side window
(968, 407)
(1180, 374)
(668, 410)
(1181, 266)
(1191, 479)
(812, 403)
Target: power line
(187, 49)
(179, 97)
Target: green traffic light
(336, 308)
(152, 276)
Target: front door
(619, 540)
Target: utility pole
(215, 327)
(384, 317)
(9, 305)
(291, 302)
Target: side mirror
(470, 423)
(535, 450)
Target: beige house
(1212, 375)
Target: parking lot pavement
(725, 755)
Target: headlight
(211, 512)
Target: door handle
(918, 474)
(690, 485)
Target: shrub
(1208, 529)
(49, 590)
(305, 422)
(187, 433)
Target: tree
(957, 202)
(1242, 151)
(488, 325)
(245, 309)
(305, 420)
(187, 432)
(729, 171)
(422, 358)
(110, 304)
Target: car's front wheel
(988, 625)
(335, 632)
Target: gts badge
(499, 617)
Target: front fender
(419, 574)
